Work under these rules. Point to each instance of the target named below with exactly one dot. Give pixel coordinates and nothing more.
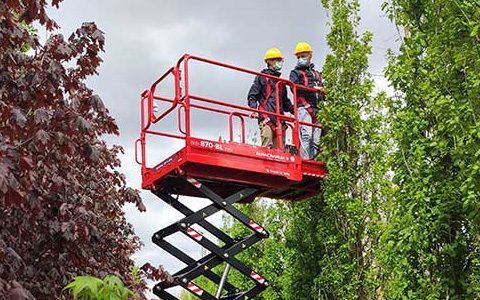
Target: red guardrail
(148, 117)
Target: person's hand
(320, 88)
(254, 115)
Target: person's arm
(295, 78)
(320, 84)
(254, 93)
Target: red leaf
(13, 4)
(56, 3)
(3, 178)
(82, 124)
(97, 103)
(36, 180)
(14, 184)
(63, 209)
(92, 153)
(25, 162)
(19, 118)
(65, 226)
(41, 116)
(42, 137)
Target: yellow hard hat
(273, 53)
(303, 47)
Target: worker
(262, 96)
(305, 74)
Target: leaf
(97, 103)
(41, 116)
(82, 124)
(4, 173)
(41, 161)
(63, 210)
(19, 118)
(113, 281)
(25, 162)
(13, 4)
(92, 152)
(41, 137)
(84, 285)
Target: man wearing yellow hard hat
(305, 74)
(262, 96)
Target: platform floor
(276, 174)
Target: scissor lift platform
(224, 172)
(230, 167)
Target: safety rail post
(148, 117)
(296, 133)
(179, 118)
(186, 59)
(176, 98)
(278, 127)
(230, 125)
(143, 96)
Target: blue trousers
(309, 136)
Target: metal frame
(226, 254)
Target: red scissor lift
(225, 172)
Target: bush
(92, 288)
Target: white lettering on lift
(277, 172)
(211, 145)
(275, 156)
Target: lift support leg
(218, 255)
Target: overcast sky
(145, 38)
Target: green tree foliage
(333, 235)
(184, 295)
(268, 258)
(323, 248)
(91, 288)
(400, 211)
(430, 246)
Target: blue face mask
(302, 62)
(278, 65)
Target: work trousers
(269, 136)
(309, 136)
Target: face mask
(278, 65)
(302, 62)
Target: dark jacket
(314, 79)
(258, 92)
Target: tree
(430, 246)
(323, 248)
(60, 192)
(333, 235)
(267, 258)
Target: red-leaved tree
(60, 192)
